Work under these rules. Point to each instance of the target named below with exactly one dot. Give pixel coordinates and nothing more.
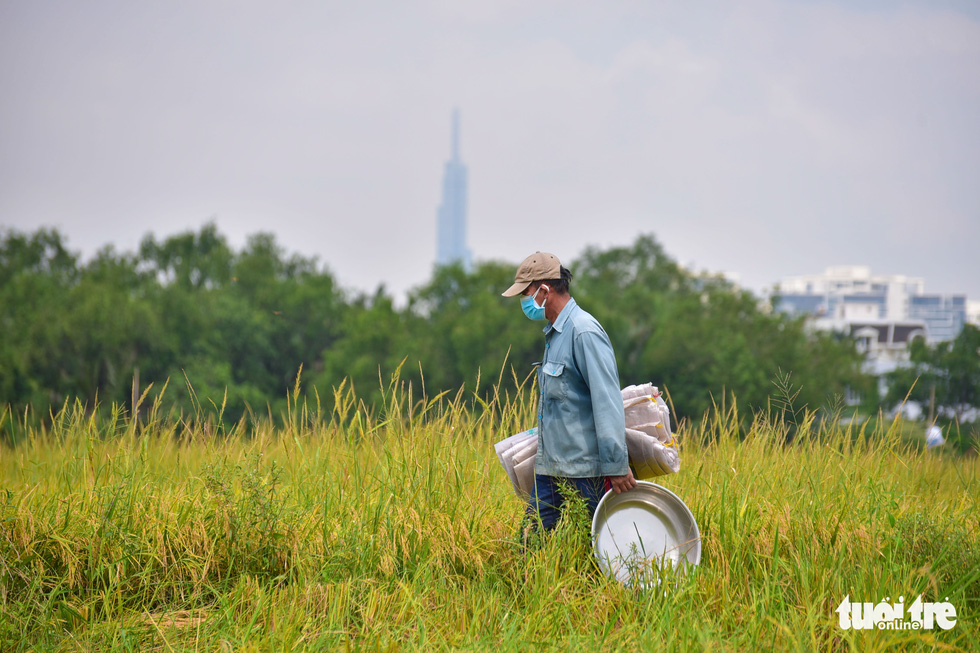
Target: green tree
(298, 306)
(243, 323)
(37, 273)
(373, 341)
(239, 322)
(949, 369)
(468, 333)
(190, 260)
(110, 324)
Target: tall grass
(398, 529)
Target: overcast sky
(761, 138)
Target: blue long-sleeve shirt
(581, 427)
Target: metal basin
(638, 534)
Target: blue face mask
(531, 308)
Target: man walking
(581, 427)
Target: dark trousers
(545, 503)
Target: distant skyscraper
(451, 218)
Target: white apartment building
(884, 314)
(973, 312)
(845, 296)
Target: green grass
(398, 530)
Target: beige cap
(540, 266)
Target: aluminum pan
(637, 532)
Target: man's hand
(622, 484)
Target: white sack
(649, 456)
(664, 416)
(649, 441)
(524, 473)
(643, 410)
(637, 391)
(646, 411)
(514, 440)
(519, 446)
(529, 450)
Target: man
(581, 427)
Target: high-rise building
(451, 217)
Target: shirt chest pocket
(555, 381)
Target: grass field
(353, 531)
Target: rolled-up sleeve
(597, 364)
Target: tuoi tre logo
(894, 616)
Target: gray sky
(764, 138)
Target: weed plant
(357, 530)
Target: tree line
(944, 376)
(191, 310)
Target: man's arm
(597, 364)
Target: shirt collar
(562, 318)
